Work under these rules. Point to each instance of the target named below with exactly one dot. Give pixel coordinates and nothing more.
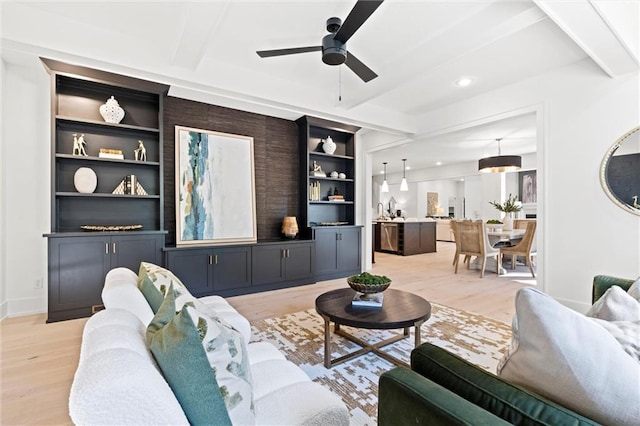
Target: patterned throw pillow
(153, 282)
(227, 355)
(224, 349)
(177, 348)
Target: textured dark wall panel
(275, 145)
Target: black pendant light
(500, 163)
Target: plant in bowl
(494, 224)
(368, 283)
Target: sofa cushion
(153, 282)
(568, 358)
(627, 333)
(615, 305)
(505, 400)
(634, 290)
(176, 345)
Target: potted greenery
(368, 283)
(511, 205)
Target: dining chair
(525, 248)
(453, 223)
(474, 241)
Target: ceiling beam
(587, 26)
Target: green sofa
(443, 389)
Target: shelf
(330, 178)
(72, 120)
(107, 160)
(104, 195)
(324, 154)
(336, 203)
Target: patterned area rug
(479, 339)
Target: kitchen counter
(405, 237)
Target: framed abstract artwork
(528, 187)
(215, 188)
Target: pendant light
(500, 163)
(385, 185)
(403, 184)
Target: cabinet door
(193, 268)
(267, 264)
(129, 250)
(326, 250)
(77, 267)
(427, 237)
(231, 268)
(349, 249)
(410, 238)
(299, 262)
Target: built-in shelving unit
(331, 224)
(78, 260)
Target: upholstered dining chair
(473, 239)
(524, 248)
(453, 223)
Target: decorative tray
(110, 227)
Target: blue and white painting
(215, 190)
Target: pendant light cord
(340, 84)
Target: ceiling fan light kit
(334, 44)
(500, 163)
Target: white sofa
(118, 381)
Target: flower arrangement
(512, 205)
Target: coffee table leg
(418, 332)
(327, 342)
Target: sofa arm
(407, 398)
(507, 401)
(601, 283)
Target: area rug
(476, 338)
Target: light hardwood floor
(39, 360)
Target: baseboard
(26, 306)
(576, 306)
(4, 306)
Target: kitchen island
(405, 237)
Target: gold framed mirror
(620, 172)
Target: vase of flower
(510, 206)
(507, 222)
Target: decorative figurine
(141, 152)
(317, 170)
(78, 145)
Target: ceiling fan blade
(358, 15)
(361, 70)
(292, 51)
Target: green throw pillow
(153, 282)
(177, 347)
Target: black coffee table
(400, 309)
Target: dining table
(498, 238)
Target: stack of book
(338, 198)
(368, 300)
(111, 153)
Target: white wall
(3, 204)
(580, 113)
(25, 198)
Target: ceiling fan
(334, 45)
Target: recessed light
(439, 163)
(463, 81)
(461, 179)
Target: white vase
(507, 222)
(111, 111)
(328, 145)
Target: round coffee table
(400, 309)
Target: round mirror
(620, 172)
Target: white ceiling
(206, 51)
